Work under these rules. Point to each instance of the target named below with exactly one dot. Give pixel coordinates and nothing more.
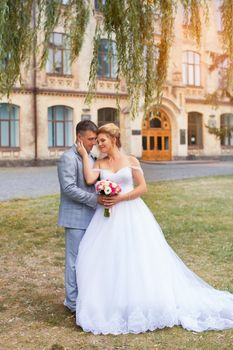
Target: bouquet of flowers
(108, 188)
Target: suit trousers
(73, 238)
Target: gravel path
(39, 181)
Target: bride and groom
(121, 275)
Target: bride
(129, 278)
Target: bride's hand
(81, 149)
(110, 201)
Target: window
(155, 57)
(191, 71)
(9, 125)
(99, 3)
(144, 143)
(226, 123)
(223, 74)
(195, 130)
(157, 16)
(219, 15)
(155, 123)
(60, 125)
(59, 56)
(107, 60)
(186, 16)
(4, 61)
(108, 115)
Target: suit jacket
(78, 200)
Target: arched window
(108, 115)
(195, 130)
(107, 60)
(226, 123)
(9, 125)
(191, 71)
(60, 126)
(155, 123)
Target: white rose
(107, 190)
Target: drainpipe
(34, 88)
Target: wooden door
(156, 137)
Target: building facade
(39, 124)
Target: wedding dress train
(130, 280)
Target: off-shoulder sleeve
(134, 167)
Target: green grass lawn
(196, 216)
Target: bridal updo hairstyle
(112, 131)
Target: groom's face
(88, 138)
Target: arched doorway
(156, 136)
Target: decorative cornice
(204, 102)
(73, 93)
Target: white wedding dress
(130, 280)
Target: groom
(77, 204)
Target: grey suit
(77, 206)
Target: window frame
(223, 73)
(96, 5)
(156, 54)
(190, 67)
(63, 49)
(10, 122)
(223, 124)
(198, 131)
(54, 124)
(109, 61)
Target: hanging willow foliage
(227, 33)
(220, 133)
(131, 24)
(16, 40)
(194, 10)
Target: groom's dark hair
(86, 125)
